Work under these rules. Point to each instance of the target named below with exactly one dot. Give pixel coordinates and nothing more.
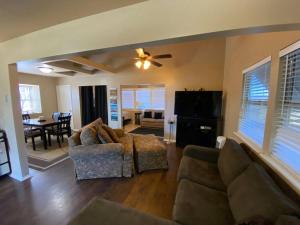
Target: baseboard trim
(18, 178)
(171, 141)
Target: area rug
(42, 159)
(145, 130)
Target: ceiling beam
(59, 64)
(87, 62)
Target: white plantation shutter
(285, 143)
(143, 98)
(158, 98)
(128, 98)
(255, 101)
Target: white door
(64, 99)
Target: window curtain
(87, 105)
(101, 103)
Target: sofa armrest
(202, 153)
(87, 151)
(101, 211)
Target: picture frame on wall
(113, 100)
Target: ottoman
(150, 153)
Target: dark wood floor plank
(54, 197)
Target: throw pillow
(111, 133)
(148, 114)
(158, 115)
(104, 136)
(88, 136)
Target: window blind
(128, 98)
(255, 101)
(30, 98)
(158, 98)
(143, 98)
(285, 143)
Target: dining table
(42, 125)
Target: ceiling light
(45, 69)
(146, 64)
(139, 64)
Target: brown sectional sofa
(215, 188)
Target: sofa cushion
(233, 160)
(88, 136)
(201, 172)
(111, 133)
(255, 193)
(287, 220)
(158, 115)
(196, 204)
(147, 114)
(104, 136)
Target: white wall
(127, 26)
(195, 65)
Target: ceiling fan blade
(164, 56)
(155, 63)
(140, 52)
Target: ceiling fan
(144, 59)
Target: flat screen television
(198, 104)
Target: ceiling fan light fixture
(139, 64)
(146, 64)
(45, 69)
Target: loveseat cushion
(104, 136)
(113, 135)
(74, 140)
(196, 204)
(201, 172)
(88, 136)
(232, 161)
(255, 193)
(287, 220)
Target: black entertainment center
(199, 117)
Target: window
(255, 101)
(128, 98)
(158, 98)
(30, 98)
(285, 143)
(143, 98)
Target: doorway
(143, 109)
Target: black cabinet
(197, 131)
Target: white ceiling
(19, 17)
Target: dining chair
(32, 133)
(55, 115)
(25, 116)
(63, 127)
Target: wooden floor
(54, 197)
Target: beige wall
(194, 65)
(242, 52)
(47, 90)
